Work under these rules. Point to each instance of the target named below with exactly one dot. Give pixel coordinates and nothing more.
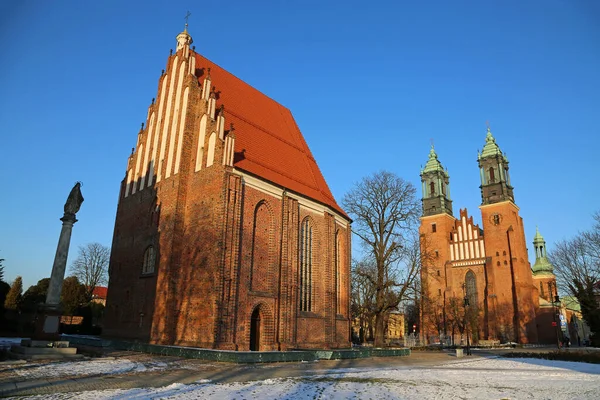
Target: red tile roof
(100, 292)
(268, 142)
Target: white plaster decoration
(146, 155)
(187, 52)
(201, 137)
(128, 184)
(210, 157)
(161, 103)
(477, 249)
(461, 254)
(228, 151)
(165, 130)
(138, 161)
(193, 65)
(460, 233)
(212, 104)
(221, 128)
(464, 226)
(181, 129)
(475, 233)
(456, 251)
(206, 89)
(451, 252)
(470, 232)
(176, 118)
(471, 252)
(482, 248)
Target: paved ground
(188, 371)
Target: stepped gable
(268, 143)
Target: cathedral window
(149, 260)
(432, 188)
(338, 283)
(306, 232)
(492, 176)
(471, 288)
(261, 277)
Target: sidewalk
(195, 371)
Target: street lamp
(555, 303)
(467, 325)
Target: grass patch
(578, 356)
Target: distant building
(226, 234)
(99, 295)
(507, 300)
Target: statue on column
(74, 200)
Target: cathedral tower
(436, 187)
(509, 273)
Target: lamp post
(467, 325)
(555, 303)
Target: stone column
(60, 262)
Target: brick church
(507, 299)
(226, 234)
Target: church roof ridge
(268, 143)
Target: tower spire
(542, 265)
(436, 186)
(493, 169)
(184, 39)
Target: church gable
(466, 241)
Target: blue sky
(369, 83)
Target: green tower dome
(542, 266)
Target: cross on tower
(186, 19)
(488, 124)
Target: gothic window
(542, 289)
(306, 237)
(149, 261)
(432, 188)
(262, 247)
(471, 288)
(433, 228)
(338, 283)
(438, 272)
(492, 177)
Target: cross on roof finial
(431, 140)
(488, 124)
(186, 19)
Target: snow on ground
(86, 367)
(477, 379)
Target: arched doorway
(255, 330)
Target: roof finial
(431, 140)
(186, 20)
(487, 123)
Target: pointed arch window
(306, 238)
(492, 175)
(432, 188)
(471, 288)
(149, 261)
(338, 276)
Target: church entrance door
(255, 330)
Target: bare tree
(577, 268)
(385, 211)
(91, 267)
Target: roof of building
(100, 292)
(491, 148)
(433, 164)
(268, 143)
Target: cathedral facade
(226, 234)
(479, 279)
